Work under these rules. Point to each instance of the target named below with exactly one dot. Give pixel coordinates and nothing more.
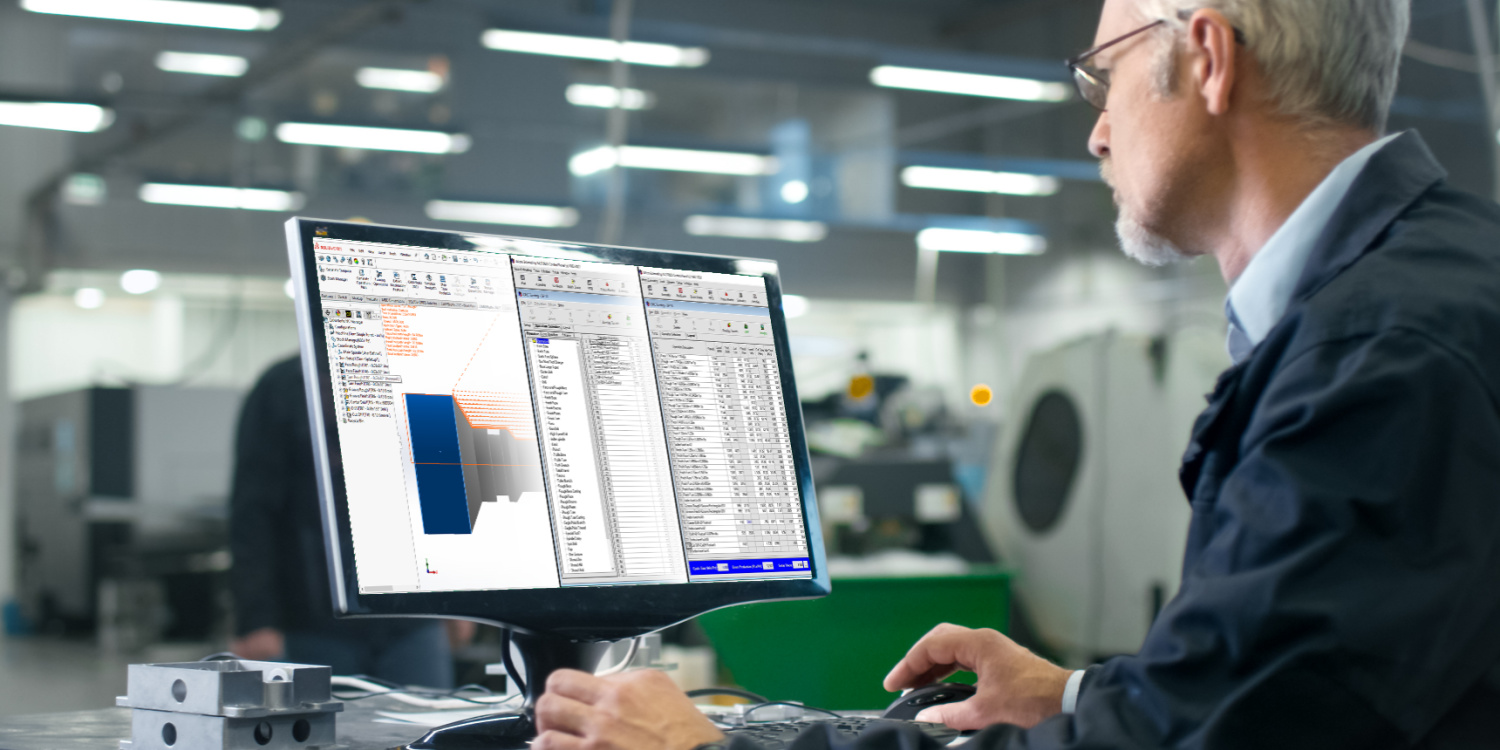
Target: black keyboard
(774, 735)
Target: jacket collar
(1395, 177)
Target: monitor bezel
(608, 612)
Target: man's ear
(1212, 50)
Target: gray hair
(1327, 61)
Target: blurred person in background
(283, 607)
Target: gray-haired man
(1343, 563)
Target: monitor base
(541, 655)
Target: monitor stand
(542, 655)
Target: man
(279, 581)
(1341, 586)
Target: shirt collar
(1259, 297)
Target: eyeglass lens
(1091, 87)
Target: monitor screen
(514, 415)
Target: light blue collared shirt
(1261, 294)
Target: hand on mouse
(1015, 686)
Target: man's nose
(1099, 139)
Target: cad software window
(509, 421)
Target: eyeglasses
(1093, 83)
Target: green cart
(833, 652)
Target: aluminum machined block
(231, 704)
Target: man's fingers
(936, 655)
(561, 713)
(557, 741)
(963, 716)
(580, 686)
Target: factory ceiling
(788, 82)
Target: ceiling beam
(984, 17)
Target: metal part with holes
(230, 705)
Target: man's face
(1145, 140)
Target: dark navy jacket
(1341, 587)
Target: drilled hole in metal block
(263, 733)
(301, 730)
(179, 690)
(169, 734)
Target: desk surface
(104, 728)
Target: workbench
(102, 729)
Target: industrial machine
(120, 499)
(1084, 501)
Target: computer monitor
(575, 442)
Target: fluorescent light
(230, 66)
(89, 298)
(83, 189)
(249, 199)
(969, 84)
(140, 281)
(794, 306)
(290, 289)
(74, 118)
(395, 79)
(973, 241)
(756, 229)
(502, 213)
(379, 139)
(978, 181)
(609, 97)
(594, 48)
(794, 192)
(672, 160)
(178, 12)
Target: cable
(629, 654)
(510, 664)
(753, 709)
(735, 692)
(432, 699)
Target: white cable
(629, 654)
(437, 704)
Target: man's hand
(640, 710)
(265, 644)
(1015, 686)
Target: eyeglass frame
(1100, 78)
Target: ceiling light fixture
(794, 192)
(397, 79)
(249, 199)
(756, 229)
(672, 160)
(176, 12)
(594, 48)
(229, 66)
(378, 139)
(978, 181)
(503, 213)
(140, 281)
(609, 97)
(969, 84)
(975, 241)
(74, 118)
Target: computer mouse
(910, 704)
